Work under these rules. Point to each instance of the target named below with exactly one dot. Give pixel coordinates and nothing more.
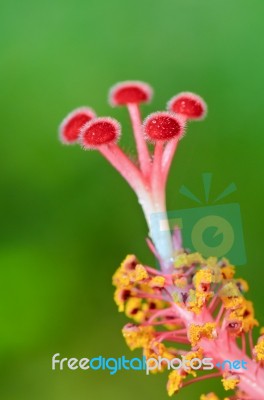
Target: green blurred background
(67, 218)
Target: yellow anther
(174, 382)
(230, 382)
(198, 332)
(259, 350)
(157, 281)
(138, 336)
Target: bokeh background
(67, 218)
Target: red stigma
(190, 105)
(130, 92)
(163, 126)
(99, 131)
(71, 125)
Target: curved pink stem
(142, 148)
(123, 165)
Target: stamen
(251, 342)
(243, 342)
(202, 378)
(220, 314)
